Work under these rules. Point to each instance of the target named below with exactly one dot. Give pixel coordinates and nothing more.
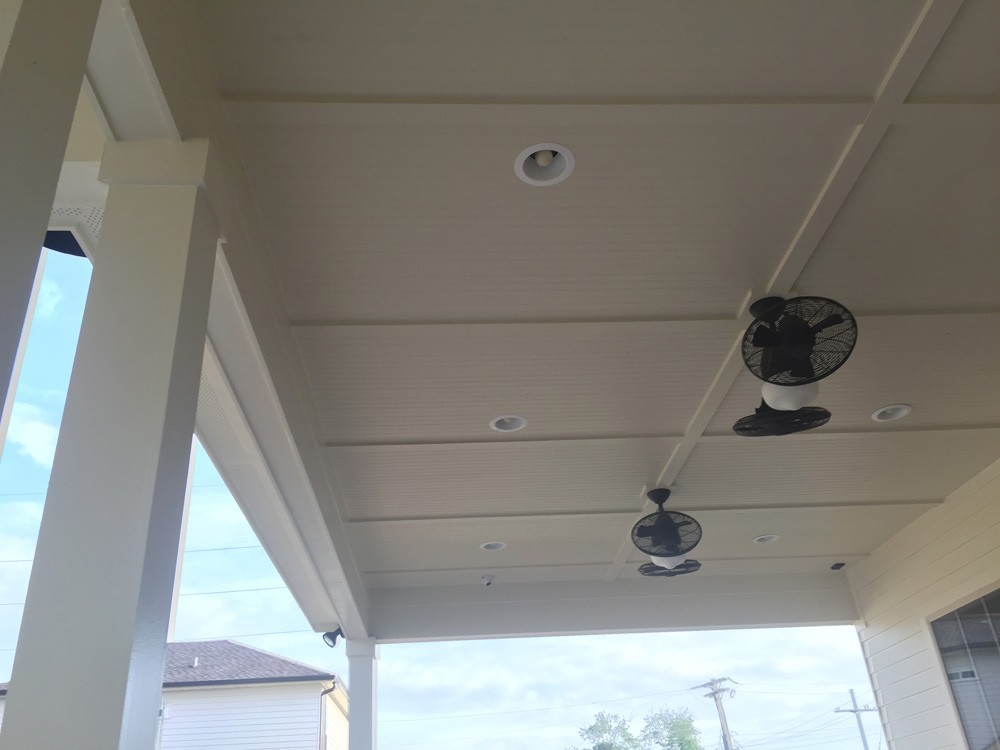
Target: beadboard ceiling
(723, 151)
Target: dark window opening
(970, 649)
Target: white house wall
(941, 561)
(336, 729)
(242, 718)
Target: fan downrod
(768, 309)
(658, 496)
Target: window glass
(970, 650)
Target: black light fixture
(330, 639)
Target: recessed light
(766, 538)
(891, 413)
(508, 423)
(544, 164)
(493, 546)
(837, 566)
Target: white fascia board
(696, 602)
(244, 430)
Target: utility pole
(717, 691)
(857, 715)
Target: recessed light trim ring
(508, 423)
(544, 164)
(891, 413)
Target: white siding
(336, 721)
(259, 717)
(942, 560)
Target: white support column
(362, 665)
(98, 603)
(43, 55)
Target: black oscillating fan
(665, 533)
(799, 340)
(765, 421)
(653, 570)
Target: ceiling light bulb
(789, 397)
(544, 158)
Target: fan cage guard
(652, 570)
(768, 422)
(832, 348)
(688, 534)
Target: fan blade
(802, 368)
(665, 532)
(765, 337)
(828, 322)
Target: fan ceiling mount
(791, 345)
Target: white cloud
(49, 297)
(33, 435)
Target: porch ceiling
(724, 150)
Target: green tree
(670, 730)
(663, 730)
(609, 732)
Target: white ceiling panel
(723, 150)
(497, 478)
(932, 245)
(830, 469)
(966, 63)
(445, 383)
(649, 48)
(941, 365)
(453, 543)
(413, 213)
(835, 534)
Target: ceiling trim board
(251, 108)
(944, 430)
(503, 441)
(617, 516)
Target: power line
(192, 593)
(186, 552)
(248, 635)
(227, 637)
(530, 710)
(236, 591)
(223, 549)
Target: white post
(99, 596)
(43, 54)
(362, 665)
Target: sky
(506, 694)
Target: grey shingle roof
(228, 662)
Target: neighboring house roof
(231, 662)
(228, 663)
